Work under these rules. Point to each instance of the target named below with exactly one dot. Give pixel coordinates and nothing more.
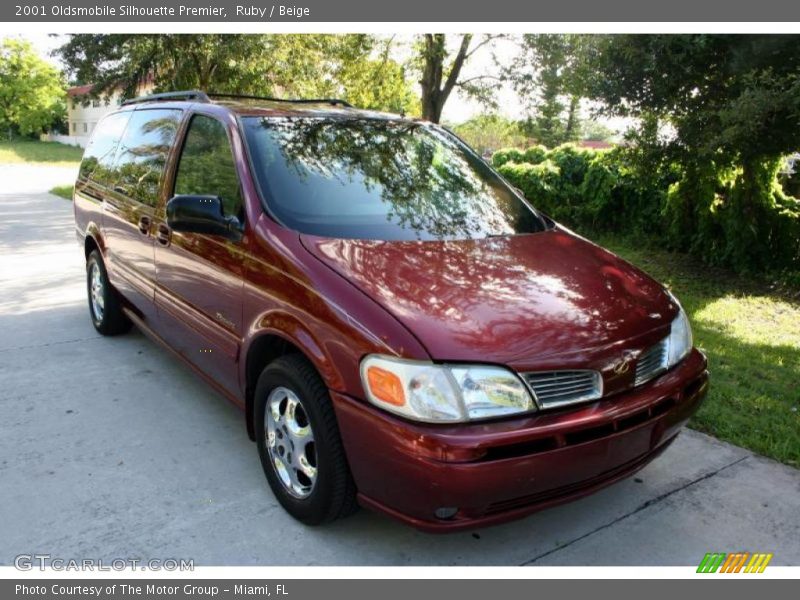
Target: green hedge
(710, 212)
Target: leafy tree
(378, 83)
(31, 90)
(547, 73)
(596, 131)
(440, 74)
(272, 65)
(490, 132)
(735, 94)
(733, 102)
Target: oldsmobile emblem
(624, 365)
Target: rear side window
(98, 158)
(206, 166)
(143, 151)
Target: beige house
(84, 112)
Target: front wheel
(299, 443)
(105, 306)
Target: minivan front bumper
(485, 473)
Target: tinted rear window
(143, 151)
(98, 158)
(379, 179)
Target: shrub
(535, 154)
(715, 214)
(759, 223)
(599, 191)
(713, 211)
(539, 183)
(572, 161)
(505, 155)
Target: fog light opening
(444, 513)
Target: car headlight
(680, 338)
(425, 391)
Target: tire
(105, 305)
(330, 494)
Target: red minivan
(402, 329)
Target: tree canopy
(354, 67)
(359, 68)
(490, 132)
(546, 73)
(31, 90)
(735, 95)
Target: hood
(527, 301)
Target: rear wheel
(299, 443)
(105, 306)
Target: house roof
(595, 144)
(83, 90)
(80, 90)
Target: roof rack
(206, 97)
(331, 101)
(166, 96)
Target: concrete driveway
(111, 448)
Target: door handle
(144, 225)
(163, 234)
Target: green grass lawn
(751, 334)
(65, 191)
(35, 152)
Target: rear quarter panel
(87, 207)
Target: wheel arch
(93, 240)
(278, 335)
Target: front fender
(291, 329)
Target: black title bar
(471, 11)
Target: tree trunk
(572, 131)
(435, 91)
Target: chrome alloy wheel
(96, 291)
(290, 442)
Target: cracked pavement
(111, 448)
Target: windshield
(380, 179)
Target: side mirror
(201, 214)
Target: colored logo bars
(743, 562)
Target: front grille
(558, 388)
(651, 362)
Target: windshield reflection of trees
(431, 187)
